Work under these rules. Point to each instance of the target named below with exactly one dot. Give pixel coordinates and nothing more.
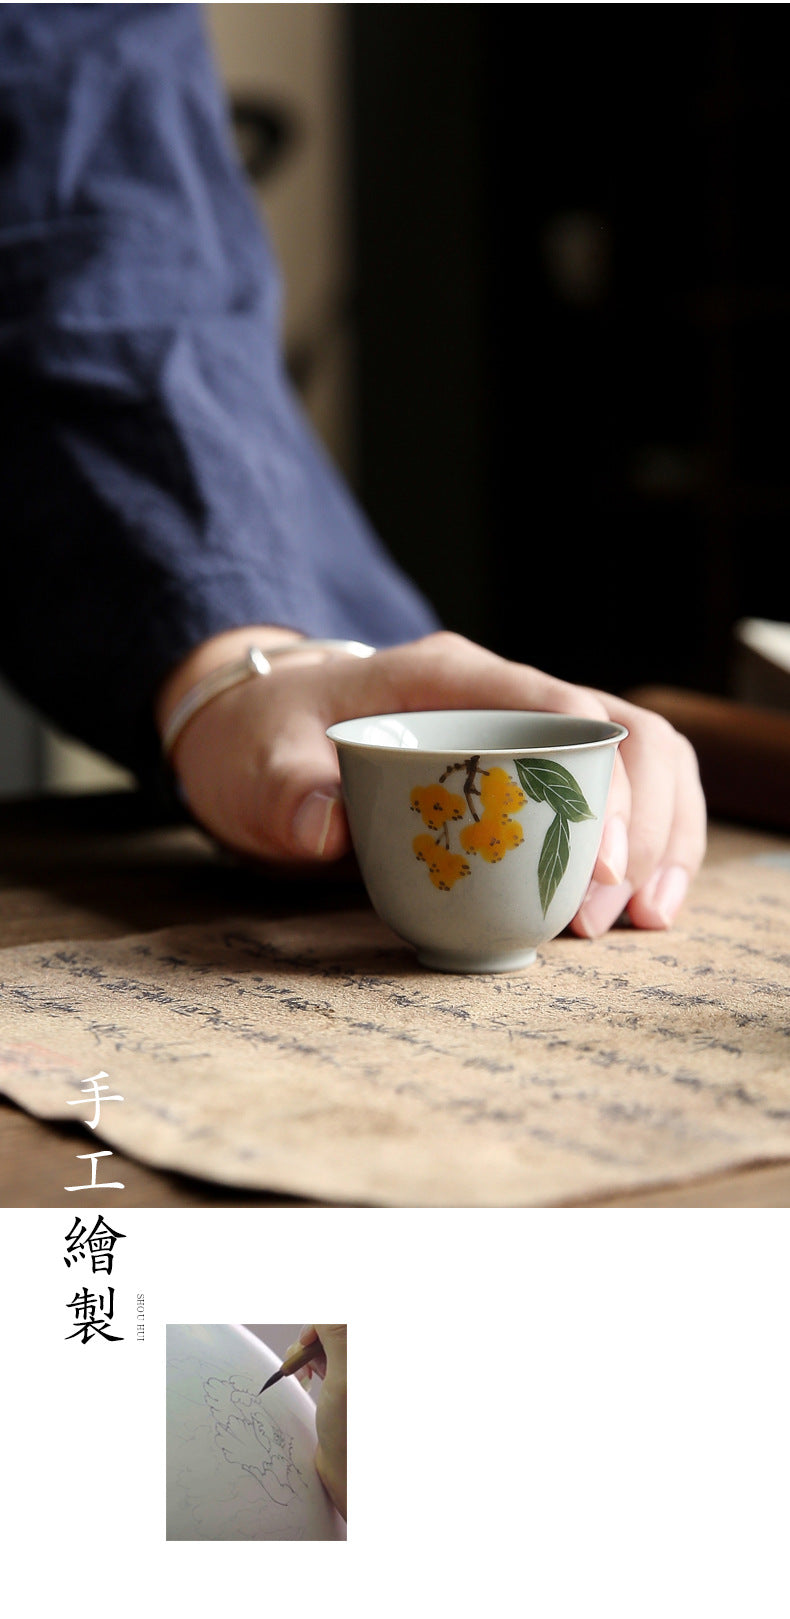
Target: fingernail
(312, 821)
(663, 896)
(613, 853)
(602, 907)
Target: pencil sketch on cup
(241, 1442)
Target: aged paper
(311, 1055)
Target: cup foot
(445, 961)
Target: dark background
(571, 320)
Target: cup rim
(614, 733)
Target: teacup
(476, 831)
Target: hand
(330, 1364)
(259, 773)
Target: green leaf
(550, 783)
(553, 860)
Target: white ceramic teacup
(476, 830)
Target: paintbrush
(294, 1362)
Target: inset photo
(252, 1454)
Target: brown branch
(471, 767)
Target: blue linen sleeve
(160, 481)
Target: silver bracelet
(255, 662)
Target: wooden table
(106, 865)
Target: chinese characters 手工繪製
(93, 1312)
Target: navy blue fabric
(159, 480)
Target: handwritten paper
(310, 1055)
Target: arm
(161, 485)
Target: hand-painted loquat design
(492, 798)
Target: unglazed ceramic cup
(476, 830)
(240, 1464)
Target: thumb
(257, 770)
(299, 809)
